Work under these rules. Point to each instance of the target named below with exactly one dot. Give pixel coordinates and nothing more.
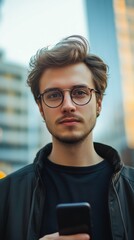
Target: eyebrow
(56, 88)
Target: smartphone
(74, 218)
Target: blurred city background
(28, 25)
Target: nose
(68, 105)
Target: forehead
(66, 77)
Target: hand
(56, 236)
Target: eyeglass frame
(69, 90)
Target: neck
(78, 154)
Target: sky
(29, 25)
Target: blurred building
(124, 22)
(19, 125)
(111, 36)
(22, 131)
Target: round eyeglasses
(54, 97)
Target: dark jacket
(22, 198)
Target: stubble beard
(72, 139)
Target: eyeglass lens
(79, 95)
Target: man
(68, 84)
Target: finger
(81, 236)
(56, 236)
(50, 236)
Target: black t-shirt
(78, 184)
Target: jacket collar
(110, 154)
(105, 151)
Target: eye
(53, 95)
(79, 92)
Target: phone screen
(74, 218)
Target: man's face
(69, 123)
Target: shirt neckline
(73, 169)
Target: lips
(68, 120)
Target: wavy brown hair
(71, 50)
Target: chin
(71, 139)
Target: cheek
(49, 115)
(89, 111)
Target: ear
(41, 109)
(98, 106)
